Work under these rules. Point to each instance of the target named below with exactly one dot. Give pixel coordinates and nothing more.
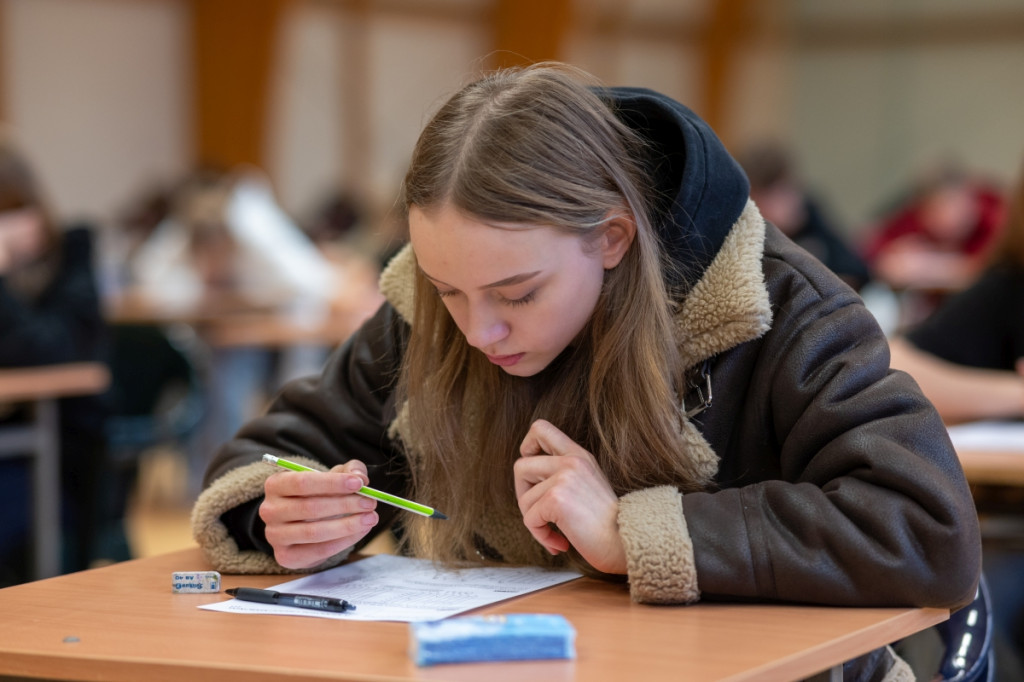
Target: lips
(505, 360)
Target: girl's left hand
(568, 489)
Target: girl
(585, 268)
(49, 313)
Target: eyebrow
(508, 281)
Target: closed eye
(513, 302)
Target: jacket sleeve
(837, 481)
(321, 421)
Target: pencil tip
(438, 515)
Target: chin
(519, 371)
(525, 369)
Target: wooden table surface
(53, 381)
(122, 622)
(993, 467)
(231, 321)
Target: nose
(483, 328)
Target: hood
(704, 217)
(702, 190)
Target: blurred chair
(968, 638)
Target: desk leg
(836, 673)
(46, 490)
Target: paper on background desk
(388, 587)
(988, 435)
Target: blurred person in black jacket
(49, 313)
(784, 201)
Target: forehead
(450, 245)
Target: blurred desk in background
(993, 467)
(40, 439)
(990, 452)
(232, 321)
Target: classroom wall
(868, 114)
(99, 89)
(97, 92)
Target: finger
(321, 530)
(529, 471)
(311, 483)
(309, 554)
(277, 509)
(544, 438)
(538, 521)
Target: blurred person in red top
(937, 241)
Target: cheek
(457, 311)
(31, 239)
(576, 305)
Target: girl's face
(519, 295)
(22, 235)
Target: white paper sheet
(989, 435)
(388, 587)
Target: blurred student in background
(939, 238)
(339, 228)
(226, 247)
(49, 313)
(779, 192)
(968, 356)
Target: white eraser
(195, 582)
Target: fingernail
(369, 519)
(365, 503)
(353, 483)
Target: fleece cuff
(659, 550)
(227, 492)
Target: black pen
(302, 601)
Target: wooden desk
(41, 439)
(993, 467)
(122, 622)
(230, 321)
(991, 452)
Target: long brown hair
(537, 146)
(19, 191)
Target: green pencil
(386, 498)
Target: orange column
(3, 68)
(725, 30)
(233, 54)
(527, 31)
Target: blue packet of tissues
(510, 637)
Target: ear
(616, 239)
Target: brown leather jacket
(833, 478)
(827, 478)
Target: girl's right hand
(311, 516)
